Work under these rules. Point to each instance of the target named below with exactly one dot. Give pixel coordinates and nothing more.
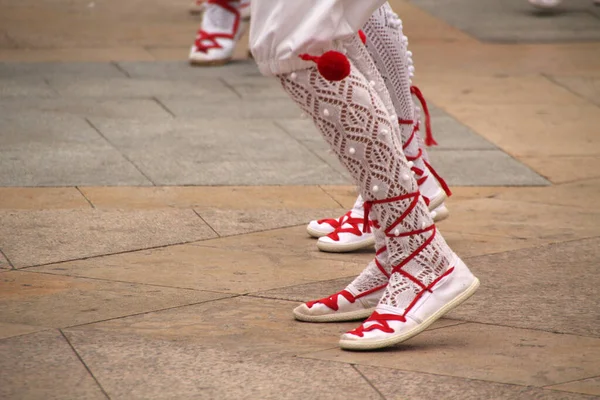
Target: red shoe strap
(334, 223)
(204, 36)
(349, 225)
(331, 301)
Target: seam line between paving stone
(110, 254)
(249, 233)
(519, 327)
(120, 69)
(230, 87)
(550, 79)
(207, 224)
(330, 196)
(549, 387)
(530, 248)
(301, 143)
(353, 366)
(163, 106)
(150, 311)
(7, 260)
(451, 376)
(84, 196)
(84, 364)
(47, 82)
(150, 248)
(131, 282)
(119, 151)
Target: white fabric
(283, 29)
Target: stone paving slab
(587, 87)
(241, 324)
(565, 168)
(483, 168)
(240, 109)
(99, 92)
(399, 385)
(588, 386)
(80, 54)
(88, 107)
(226, 270)
(46, 149)
(582, 194)
(216, 152)
(128, 88)
(294, 242)
(239, 222)
(47, 236)
(256, 88)
(46, 300)
(551, 288)
(522, 220)
(344, 195)
(516, 21)
(181, 70)
(208, 197)
(134, 365)
(44, 366)
(68, 69)
(9, 330)
(535, 130)
(502, 60)
(494, 353)
(41, 198)
(4, 264)
(25, 86)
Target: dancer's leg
(388, 47)
(353, 116)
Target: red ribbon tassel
(429, 140)
(366, 222)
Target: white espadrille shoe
(220, 30)
(545, 4)
(341, 306)
(390, 325)
(358, 299)
(347, 233)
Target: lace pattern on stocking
(355, 117)
(388, 47)
(377, 272)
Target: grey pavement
(164, 123)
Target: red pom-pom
(332, 65)
(362, 36)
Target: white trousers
(283, 29)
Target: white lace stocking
(377, 273)
(218, 19)
(389, 49)
(355, 116)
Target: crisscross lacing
(356, 118)
(347, 225)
